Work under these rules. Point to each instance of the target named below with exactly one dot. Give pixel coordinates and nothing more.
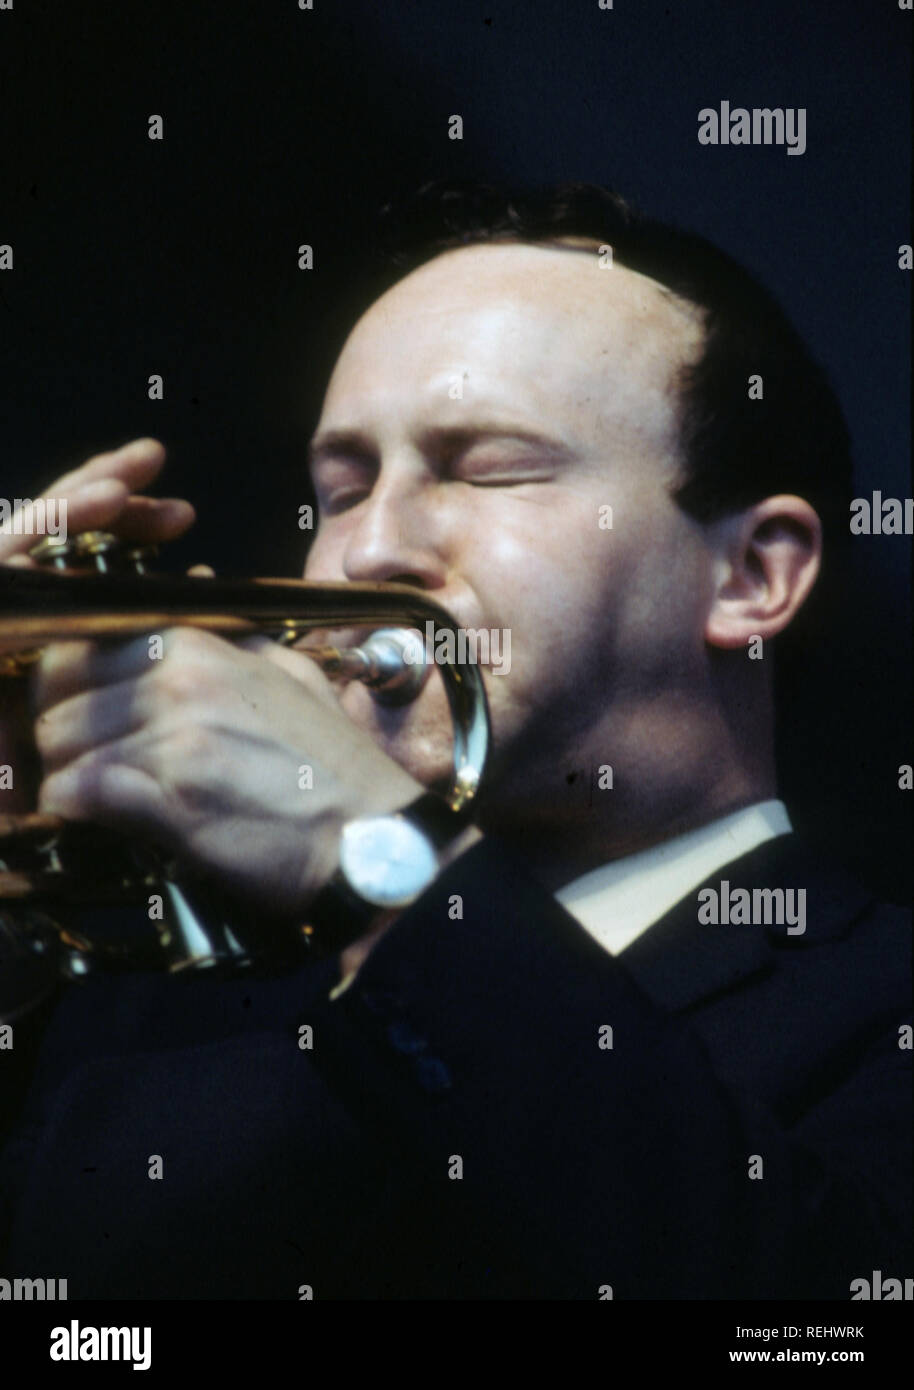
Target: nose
(394, 540)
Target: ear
(766, 560)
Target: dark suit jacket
(473, 1045)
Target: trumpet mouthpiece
(395, 665)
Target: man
(549, 426)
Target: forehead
(544, 327)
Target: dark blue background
(283, 126)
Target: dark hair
(736, 450)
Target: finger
(89, 497)
(89, 720)
(139, 784)
(92, 507)
(135, 463)
(93, 496)
(108, 506)
(153, 520)
(103, 789)
(67, 668)
(295, 663)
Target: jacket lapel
(680, 961)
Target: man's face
(480, 415)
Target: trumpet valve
(91, 550)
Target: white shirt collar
(620, 900)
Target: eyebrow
(449, 439)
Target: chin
(417, 736)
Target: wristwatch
(386, 862)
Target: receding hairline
(689, 309)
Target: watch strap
(339, 915)
(432, 815)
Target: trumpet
(92, 587)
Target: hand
(103, 494)
(202, 752)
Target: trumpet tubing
(45, 863)
(38, 607)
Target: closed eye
(341, 500)
(502, 472)
(342, 482)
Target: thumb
(295, 663)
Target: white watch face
(386, 860)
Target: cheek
(513, 550)
(592, 610)
(540, 570)
(657, 610)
